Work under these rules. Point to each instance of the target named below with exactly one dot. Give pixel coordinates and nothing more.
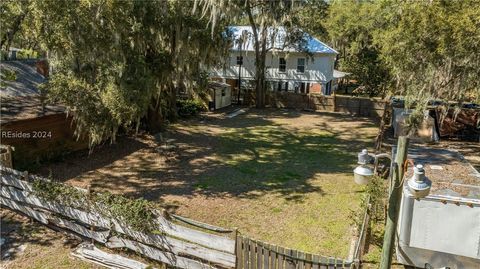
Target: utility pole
(394, 203)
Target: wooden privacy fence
(176, 241)
(358, 106)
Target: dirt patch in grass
(280, 176)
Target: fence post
(236, 247)
(394, 203)
(334, 101)
(6, 156)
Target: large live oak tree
(117, 63)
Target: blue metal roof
(308, 43)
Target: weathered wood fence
(179, 242)
(175, 244)
(358, 106)
(254, 254)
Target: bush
(189, 107)
(9, 75)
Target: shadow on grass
(254, 155)
(19, 232)
(246, 156)
(80, 162)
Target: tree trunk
(260, 66)
(154, 119)
(260, 45)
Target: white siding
(319, 69)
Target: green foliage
(189, 107)
(351, 26)
(27, 54)
(422, 50)
(8, 75)
(55, 191)
(136, 213)
(310, 17)
(432, 49)
(373, 200)
(118, 62)
(377, 194)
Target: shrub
(189, 107)
(9, 75)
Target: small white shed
(442, 229)
(220, 95)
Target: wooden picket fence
(254, 254)
(182, 242)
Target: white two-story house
(305, 67)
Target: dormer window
(301, 65)
(282, 64)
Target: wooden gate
(253, 254)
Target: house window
(239, 60)
(282, 64)
(301, 65)
(282, 86)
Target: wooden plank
(273, 257)
(177, 246)
(325, 262)
(101, 236)
(308, 257)
(158, 255)
(316, 261)
(281, 258)
(239, 252)
(331, 263)
(213, 241)
(251, 246)
(12, 180)
(245, 244)
(266, 256)
(292, 262)
(37, 215)
(45, 218)
(201, 224)
(301, 258)
(10, 170)
(70, 212)
(259, 255)
(88, 252)
(17, 179)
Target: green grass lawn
(280, 176)
(287, 183)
